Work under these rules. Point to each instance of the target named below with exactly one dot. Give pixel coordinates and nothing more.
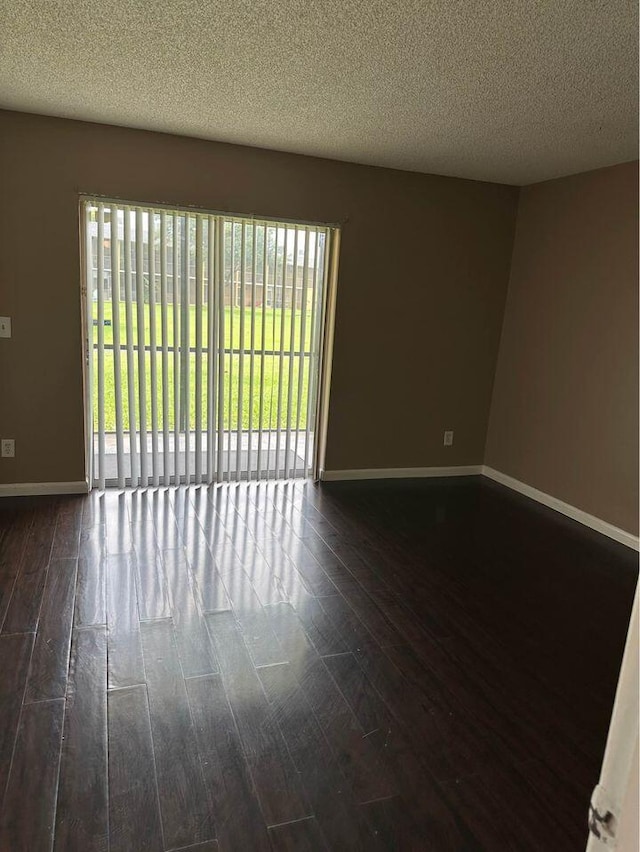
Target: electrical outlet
(448, 438)
(8, 448)
(5, 326)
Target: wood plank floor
(420, 665)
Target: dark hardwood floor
(420, 665)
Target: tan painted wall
(564, 415)
(423, 278)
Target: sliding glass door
(205, 335)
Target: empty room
(319, 368)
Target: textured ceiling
(514, 91)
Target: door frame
(325, 354)
(87, 359)
(613, 810)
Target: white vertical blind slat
(175, 280)
(211, 350)
(302, 347)
(142, 377)
(90, 344)
(262, 348)
(252, 344)
(186, 345)
(164, 336)
(292, 344)
(131, 383)
(220, 277)
(274, 279)
(198, 365)
(283, 293)
(232, 301)
(153, 343)
(115, 329)
(239, 424)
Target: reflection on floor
(400, 665)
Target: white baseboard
(400, 472)
(572, 512)
(36, 489)
(604, 527)
(29, 489)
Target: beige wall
(564, 414)
(423, 277)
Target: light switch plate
(5, 326)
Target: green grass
(272, 337)
(233, 412)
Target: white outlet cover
(448, 438)
(8, 448)
(5, 326)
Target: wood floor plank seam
(20, 572)
(26, 680)
(172, 640)
(157, 823)
(108, 743)
(17, 572)
(400, 718)
(336, 811)
(26, 823)
(44, 601)
(193, 723)
(379, 799)
(298, 798)
(23, 633)
(153, 756)
(291, 821)
(46, 574)
(155, 767)
(253, 798)
(348, 705)
(302, 679)
(57, 782)
(17, 728)
(199, 676)
(124, 688)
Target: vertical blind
(205, 340)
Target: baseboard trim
(604, 527)
(37, 489)
(32, 489)
(400, 472)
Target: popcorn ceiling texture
(512, 91)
